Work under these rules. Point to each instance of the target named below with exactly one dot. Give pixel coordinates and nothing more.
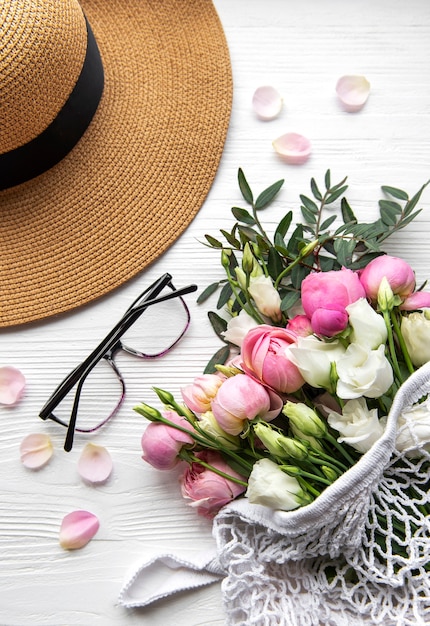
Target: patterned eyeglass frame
(107, 349)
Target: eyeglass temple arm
(131, 315)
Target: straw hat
(99, 176)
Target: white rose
(414, 429)
(368, 327)
(238, 327)
(265, 296)
(358, 426)
(363, 372)
(415, 329)
(314, 357)
(269, 486)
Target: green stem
(391, 346)
(340, 448)
(302, 473)
(185, 456)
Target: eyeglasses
(77, 402)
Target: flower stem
(402, 343)
(340, 448)
(392, 348)
(186, 456)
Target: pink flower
(161, 443)
(199, 395)
(264, 354)
(398, 273)
(242, 398)
(416, 301)
(208, 490)
(325, 296)
(300, 325)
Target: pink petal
(77, 529)
(95, 464)
(353, 92)
(266, 102)
(36, 450)
(12, 383)
(293, 148)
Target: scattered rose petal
(95, 464)
(77, 529)
(12, 383)
(36, 450)
(267, 102)
(293, 148)
(353, 92)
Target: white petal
(95, 464)
(353, 92)
(293, 148)
(12, 383)
(36, 450)
(77, 529)
(266, 102)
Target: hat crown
(43, 46)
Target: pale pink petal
(353, 92)
(12, 383)
(293, 148)
(77, 529)
(36, 450)
(266, 102)
(95, 464)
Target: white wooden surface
(301, 48)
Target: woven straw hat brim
(140, 172)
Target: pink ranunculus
(399, 274)
(416, 301)
(207, 490)
(326, 295)
(300, 325)
(199, 395)
(161, 443)
(242, 398)
(264, 355)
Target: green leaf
(219, 358)
(395, 192)
(315, 191)
(347, 212)
(235, 243)
(344, 249)
(298, 274)
(207, 292)
(327, 179)
(267, 195)
(244, 187)
(308, 215)
(327, 263)
(388, 216)
(218, 324)
(412, 203)
(284, 225)
(295, 239)
(336, 194)
(289, 300)
(338, 185)
(309, 204)
(395, 207)
(225, 295)
(242, 215)
(328, 222)
(213, 242)
(274, 263)
(246, 234)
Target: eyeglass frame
(106, 349)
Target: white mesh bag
(335, 562)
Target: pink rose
(199, 395)
(242, 398)
(161, 443)
(208, 490)
(325, 296)
(300, 325)
(416, 301)
(264, 354)
(398, 273)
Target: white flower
(368, 327)
(357, 425)
(314, 357)
(269, 486)
(266, 297)
(415, 329)
(363, 372)
(414, 429)
(238, 327)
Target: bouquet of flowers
(312, 422)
